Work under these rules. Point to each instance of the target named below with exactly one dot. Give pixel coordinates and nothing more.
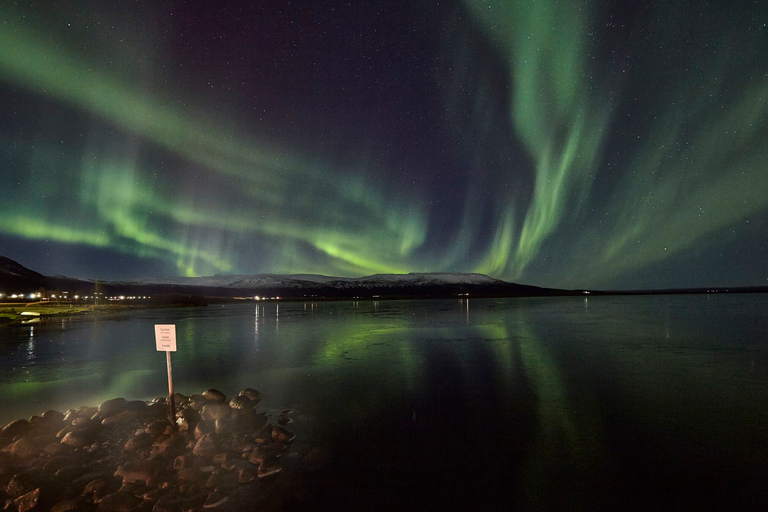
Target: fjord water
(595, 403)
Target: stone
(159, 427)
(284, 419)
(21, 484)
(135, 405)
(216, 411)
(225, 426)
(251, 393)
(264, 434)
(121, 418)
(24, 448)
(187, 418)
(214, 395)
(120, 501)
(27, 501)
(70, 472)
(250, 419)
(281, 435)
(215, 499)
(136, 471)
(170, 446)
(241, 402)
(79, 438)
(141, 441)
(15, 428)
(56, 463)
(70, 505)
(111, 407)
(56, 448)
(206, 446)
(204, 427)
(188, 475)
(82, 422)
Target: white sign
(165, 338)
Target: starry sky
(569, 144)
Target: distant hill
(18, 279)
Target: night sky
(557, 143)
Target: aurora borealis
(555, 143)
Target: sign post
(165, 340)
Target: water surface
(625, 403)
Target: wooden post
(165, 340)
(171, 400)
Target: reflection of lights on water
(31, 345)
(277, 317)
(256, 328)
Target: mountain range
(15, 278)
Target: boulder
(27, 501)
(254, 395)
(241, 402)
(15, 428)
(24, 448)
(214, 395)
(135, 471)
(120, 501)
(111, 407)
(206, 446)
(121, 418)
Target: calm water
(612, 403)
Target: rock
(120, 501)
(82, 422)
(286, 411)
(53, 415)
(216, 411)
(24, 448)
(56, 448)
(70, 505)
(281, 435)
(111, 407)
(204, 427)
(264, 434)
(317, 459)
(206, 446)
(187, 418)
(155, 410)
(159, 427)
(250, 419)
(188, 475)
(56, 463)
(27, 501)
(225, 426)
(95, 488)
(215, 499)
(70, 472)
(214, 395)
(136, 471)
(79, 438)
(262, 452)
(269, 466)
(284, 419)
(121, 418)
(170, 446)
(15, 428)
(135, 405)
(254, 395)
(21, 484)
(241, 402)
(141, 441)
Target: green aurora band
(690, 172)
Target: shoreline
(220, 454)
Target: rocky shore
(221, 454)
